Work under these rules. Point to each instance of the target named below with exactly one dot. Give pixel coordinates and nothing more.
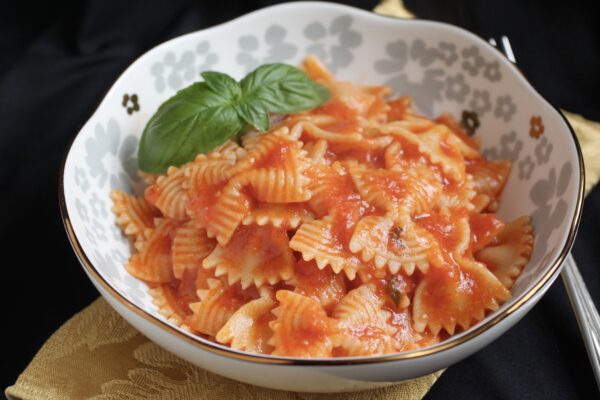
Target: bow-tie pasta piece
(319, 128)
(231, 205)
(277, 170)
(438, 144)
(397, 246)
(154, 263)
(456, 295)
(332, 187)
(322, 241)
(190, 246)
(163, 298)
(230, 147)
(301, 328)
(349, 101)
(317, 152)
(217, 304)
(399, 192)
(174, 298)
(216, 201)
(288, 216)
(169, 195)
(451, 230)
(510, 251)
(459, 194)
(248, 328)
(406, 337)
(255, 255)
(316, 70)
(364, 327)
(134, 214)
(207, 171)
(489, 178)
(468, 145)
(484, 230)
(322, 285)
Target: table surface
(56, 62)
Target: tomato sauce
(398, 108)
(452, 124)
(445, 228)
(276, 157)
(264, 249)
(450, 150)
(202, 201)
(183, 292)
(320, 284)
(484, 228)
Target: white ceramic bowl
(444, 68)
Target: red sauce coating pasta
(357, 228)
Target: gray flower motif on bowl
(173, 71)
(510, 146)
(510, 149)
(276, 49)
(89, 234)
(423, 54)
(112, 146)
(107, 262)
(104, 142)
(447, 53)
(492, 72)
(543, 150)
(425, 92)
(81, 179)
(398, 57)
(547, 195)
(480, 102)
(128, 158)
(118, 256)
(456, 88)
(472, 60)
(98, 230)
(82, 211)
(98, 206)
(117, 233)
(333, 45)
(505, 108)
(526, 167)
(134, 289)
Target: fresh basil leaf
(255, 114)
(195, 120)
(206, 114)
(223, 83)
(282, 89)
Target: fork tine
(505, 48)
(508, 51)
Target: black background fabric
(57, 59)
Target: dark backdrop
(58, 58)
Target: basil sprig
(206, 114)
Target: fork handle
(585, 312)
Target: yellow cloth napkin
(97, 354)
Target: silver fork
(579, 296)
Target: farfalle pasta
(356, 228)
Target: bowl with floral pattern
(442, 67)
